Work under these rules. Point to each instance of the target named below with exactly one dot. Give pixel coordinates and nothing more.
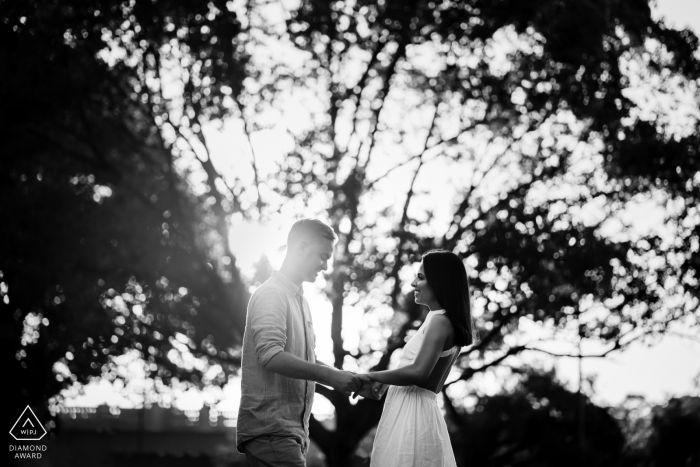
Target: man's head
(309, 247)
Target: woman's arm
(436, 334)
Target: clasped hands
(354, 384)
(369, 389)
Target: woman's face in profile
(422, 294)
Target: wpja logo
(28, 428)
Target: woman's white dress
(412, 430)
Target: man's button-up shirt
(278, 319)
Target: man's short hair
(309, 229)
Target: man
(279, 364)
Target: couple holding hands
(280, 370)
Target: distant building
(152, 437)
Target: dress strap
(450, 351)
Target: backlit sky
(665, 369)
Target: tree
(676, 427)
(535, 423)
(108, 244)
(532, 112)
(529, 113)
(664, 434)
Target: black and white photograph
(350, 233)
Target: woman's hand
(370, 389)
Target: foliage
(518, 134)
(664, 434)
(536, 423)
(676, 428)
(515, 133)
(106, 246)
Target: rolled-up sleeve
(268, 324)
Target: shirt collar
(296, 290)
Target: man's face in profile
(316, 254)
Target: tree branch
(384, 93)
(469, 372)
(424, 153)
(246, 129)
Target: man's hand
(345, 382)
(370, 389)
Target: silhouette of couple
(280, 370)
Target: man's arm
(268, 325)
(368, 389)
(288, 365)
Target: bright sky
(665, 369)
(680, 13)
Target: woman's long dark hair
(447, 277)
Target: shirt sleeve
(268, 324)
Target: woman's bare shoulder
(440, 323)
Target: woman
(412, 431)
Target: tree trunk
(353, 422)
